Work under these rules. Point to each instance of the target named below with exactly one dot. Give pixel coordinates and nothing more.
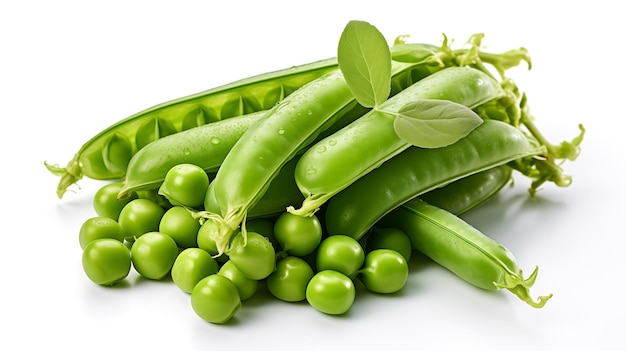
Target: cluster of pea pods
(297, 141)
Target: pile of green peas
(157, 234)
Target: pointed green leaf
(364, 58)
(434, 123)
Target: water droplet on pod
(215, 140)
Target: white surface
(70, 68)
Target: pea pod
(205, 146)
(107, 154)
(335, 162)
(462, 249)
(465, 194)
(264, 148)
(415, 171)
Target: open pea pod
(106, 155)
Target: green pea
(215, 299)
(180, 224)
(247, 287)
(331, 292)
(185, 185)
(253, 255)
(290, 279)
(106, 202)
(153, 255)
(340, 253)
(297, 235)
(99, 228)
(191, 266)
(384, 271)
(106, 261)
(140, 216)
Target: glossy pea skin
(106, 202)
(247, 287)
(340, 253)
(215, 299)
(384, 271)
(462, 249)
(335, 162)
(415, 171)
(153, 255)
(180, 225)
(331, 292)
(185, 185)
(191, 266)
(106, 261)
(253, 255)
(290, 279)
(297, 235)
(99, 228)
(107, 154)
(140, 216)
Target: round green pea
(191, 266)
(99, 228)
(340, 253)
(106, 203)
(247, 287)
(185, 184)
(106, 261)
(180, 224)
(215, 299)
(298, 235)
(290, 279)
(384, 271)
(140, 216)
(153, 255)
(331, 292)
(254, 256)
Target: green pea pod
(462, 249)
(281, 192)
(205, 146)
(334, 163)
(263, 149)
(465, 194)
(415, 171)
(106, 155)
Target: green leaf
(434, 123)
(364, 58)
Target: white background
(71, 68)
